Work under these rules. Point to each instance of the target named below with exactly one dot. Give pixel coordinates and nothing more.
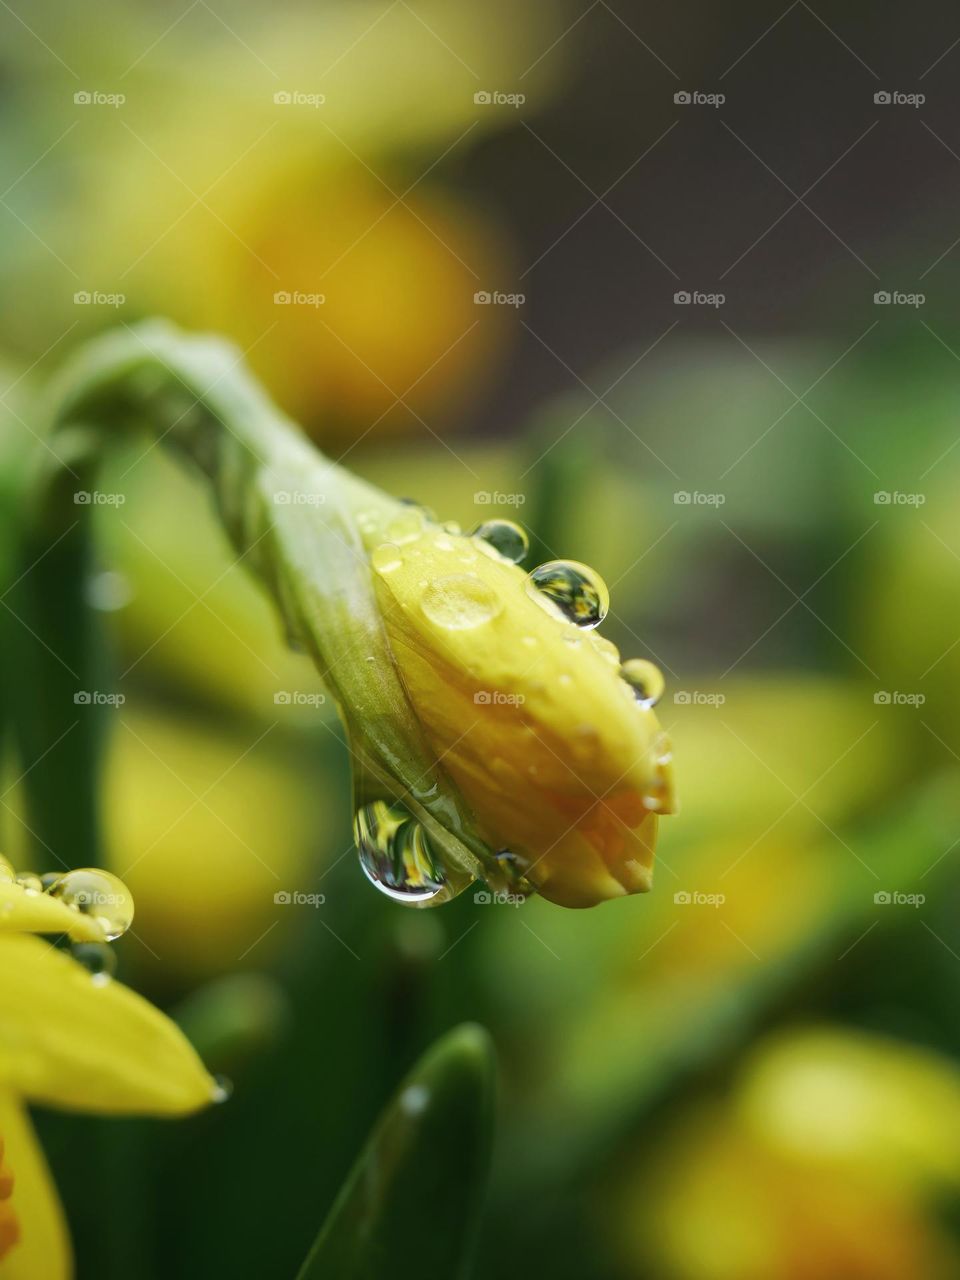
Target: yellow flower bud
(529, 715)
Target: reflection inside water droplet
(395, 853)
(645, 679)
(575, 589)
(506, 537)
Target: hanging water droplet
(7, 873)
(506, 537)
(578, 591)
(98, 894)
(645, 679)
(32, 883)
(97, 958)
(395, 853)
(460, 601)
(222, 1088)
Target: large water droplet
(645, 679)
(98, 894)
(7, 873)
(460, 601)
(578, 591)
(99, 959)
(506, 537)
(395, 853)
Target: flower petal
(68, 1041)
(26, 911)
(43, 1249)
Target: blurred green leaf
(411, 1203)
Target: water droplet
(645, 679)
(406, 527)
(32, 883)
(108, 591)
(97, 958)
(578, 591)
(48, 878)
(222, 1088)
(395, 853)
(386, 557)
(415, 1099)
(460, 601)
(99, 894)
(506, 537)
(7, 873)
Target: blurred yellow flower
(825, 1162)
(72, 1039)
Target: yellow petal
(43, 1250)
(26, 911)
(529, 716)
(67, 1041)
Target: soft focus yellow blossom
(69, 1039)
(530, 716)
(824, 1163)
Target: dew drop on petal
(575, 589)
(7, 873)
(97, 958)
(506, 537)
(386, 558)
(459, 602)
(395, 853)
(645, 679)
(98, 894)
(30, 882)
(406, 527)
(222, 1088)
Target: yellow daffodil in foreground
(72, 1037)
(493, 735)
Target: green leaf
(411, 1203)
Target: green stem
(292, 516)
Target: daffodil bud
(493, 734)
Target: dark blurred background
(715, 355)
